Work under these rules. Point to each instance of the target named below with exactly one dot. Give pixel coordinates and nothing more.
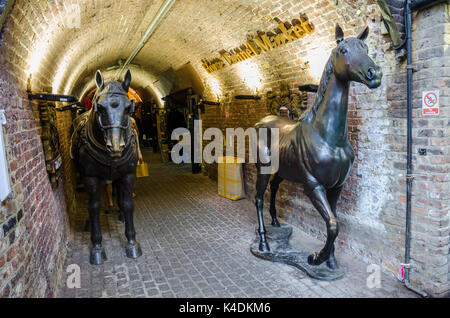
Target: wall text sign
(262, 43)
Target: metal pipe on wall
(162, 12)
(411, 6)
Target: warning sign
(430, 103)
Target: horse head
(113, 109)
(352, 62)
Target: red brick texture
(34, 223)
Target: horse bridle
(97, 96)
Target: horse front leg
(319, 199)
(261, 185)
(98, 255)
(333, 196)
(274, 185)
(125, 189)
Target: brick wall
(431, 189)
(34, 223)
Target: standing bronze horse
(315, 151)
(104, 147)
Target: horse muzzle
(374, 76)
(115, 143)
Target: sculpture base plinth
(282, 252)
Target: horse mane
(326, 75)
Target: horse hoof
(264, 247)
(98, 256)
(313, 259)
(275, 223)
(133, 250)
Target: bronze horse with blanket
(104, 146)
(315, 151)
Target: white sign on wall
(430, 103)
(5, 187)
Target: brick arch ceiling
(140, 79)
(67, 56)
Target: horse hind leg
(261, 185)
(319, 199)
(274, 185)
(333, 196)
(119, 199)
(133, 248)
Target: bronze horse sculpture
(104, 147)
(315, 151)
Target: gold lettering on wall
(262, 43)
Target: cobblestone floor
(196, 244)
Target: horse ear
(99, 79)
(364, 34)
(127, 81)
(132, 107)
(339, 33)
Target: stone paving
(196, 244)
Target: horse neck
(330, 121)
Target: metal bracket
(410, 176)
(76, 105)
(53, 98)
(207, 102)
(254, 97)
(312, 88)
(412, 67)
(422, 151)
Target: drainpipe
(411, 6)
(152, 27)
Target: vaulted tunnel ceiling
(65, 42)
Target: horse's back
(287, 132)
(285, 126)
(78, 124)
(273, 121)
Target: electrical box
(5, 187)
